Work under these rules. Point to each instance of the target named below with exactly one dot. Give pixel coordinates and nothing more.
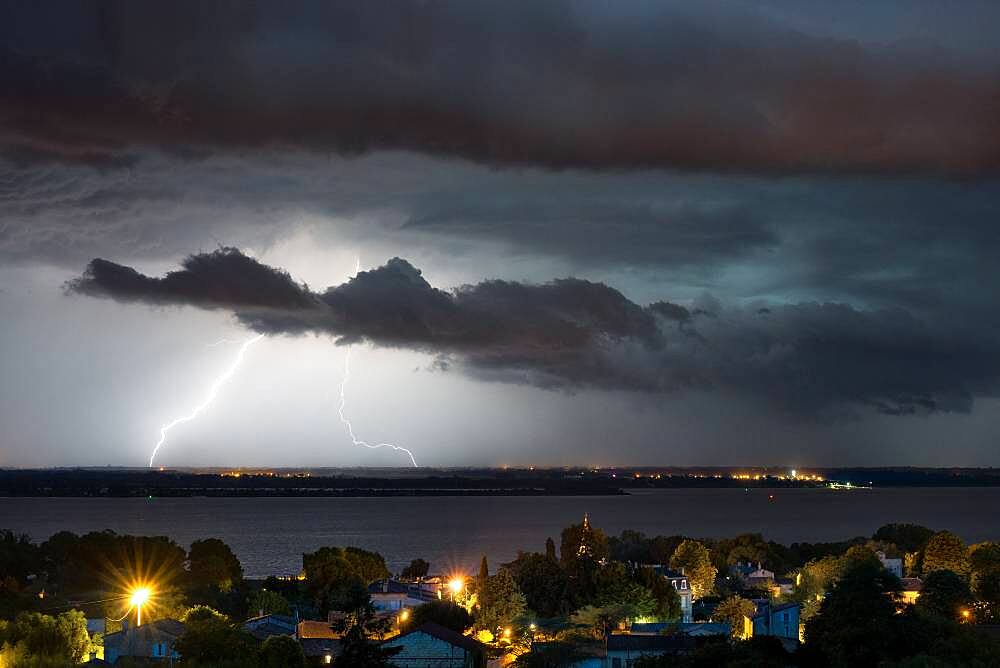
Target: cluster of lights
(264, 474)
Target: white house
(894, 566)
(681, 585)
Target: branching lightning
(343, 400)
(347, 422)
(212, 392)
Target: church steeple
(585, 549)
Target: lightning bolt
(347, 422)
(343, 400)
(212, 393)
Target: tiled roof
(912, 584)
(309, 628)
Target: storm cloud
(813, 359)
(555, 84)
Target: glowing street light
(139, 596)
(456, 584)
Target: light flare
(212, 393)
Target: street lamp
(139, 596)
(455, 585)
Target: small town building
(694, 629)
(893, 565)
(153, 640)
(431, 644)
(265, 626)
(911, 589)
(392, 595)
(624, 649)
(782, 587)
(680, 584)
(778, 621)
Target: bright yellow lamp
(139, 597)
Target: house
(153, 640)
(778, 621)
(911, 589)
(894, 566)
(680, 584)
(431, 644)
(623, 650)
(782, 587)
(265, 626)
(694, 629)
(752, 576)
(392, 595)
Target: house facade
(433, 645)
(154, 640)
(893, 565)
(680, 583)
(623, 650)
(778, 621)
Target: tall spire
(585, 549)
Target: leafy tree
(417, 569)
(500, 601)
(857, 623)
(946, 551)
(944, 594)
(550, 549)
(281, 652)
(583, 542)
(615, 587)
(361, 630)
(906, 537)
(444, 613)
(733, 610)
(211, 563)
(666, 600)
(331, 571)
(695, 560)
(202, 613)
(817, 577)
(105, 559)
(19, 558)
(38, 636)
(210, 639)
(602, 620)
(543, 583)
(984, 561)
(551, 655)
(267, 602)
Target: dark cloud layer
(556, 84)
(810, 358)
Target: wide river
(269, 535)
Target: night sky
(588, 233)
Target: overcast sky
(588, 232)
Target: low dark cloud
(554, 84)
(814, 359)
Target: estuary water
(269, 535)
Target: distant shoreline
(131, 483)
